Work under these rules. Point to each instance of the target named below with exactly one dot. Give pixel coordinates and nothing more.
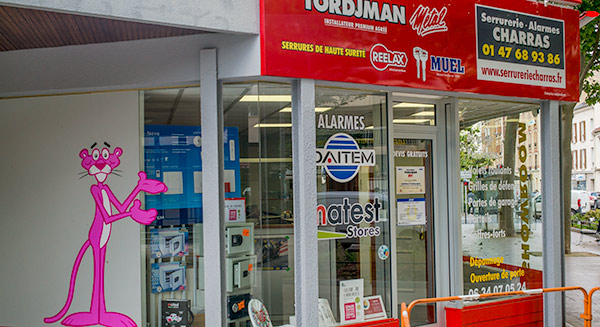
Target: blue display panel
(173, 155)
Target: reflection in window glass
(260, 246)
(173, 242)
(413, 113)
(501, 202)
(352, 199)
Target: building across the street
(583, 143)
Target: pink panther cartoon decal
(100, 164)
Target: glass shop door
(419, 211)
(414, 217)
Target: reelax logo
(343, 158)
(382, 58)
(353, 214)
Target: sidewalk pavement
(582, 268)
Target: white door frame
(437, 134)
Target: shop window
(173, 244)
(501, 201)
(259, 210)
(352, 198)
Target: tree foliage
(470, 153)
(589, 65)
(590, 54)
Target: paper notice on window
(374, 308)
(235, 210)
(411, 211)
(410, 180)
(351, 306)
(326, 318)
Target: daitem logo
(426, 21)
(382, 58)
(343, 158)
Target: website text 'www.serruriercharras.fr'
(522, 75)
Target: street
(582, 268)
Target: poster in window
(351, 295)
(411, 211)
(273, 252)
(410, 180)
(374, 308)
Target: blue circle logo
(339, 170)
(342, 157)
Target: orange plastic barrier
(522, 311)
(377, 323)
(586, 316)
(588, 303)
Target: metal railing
(587, 301)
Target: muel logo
(447, 65)
(426, 21)
(382, 58)
(342, 157)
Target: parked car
(580, 201)
(596, 203)
(537, 202)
